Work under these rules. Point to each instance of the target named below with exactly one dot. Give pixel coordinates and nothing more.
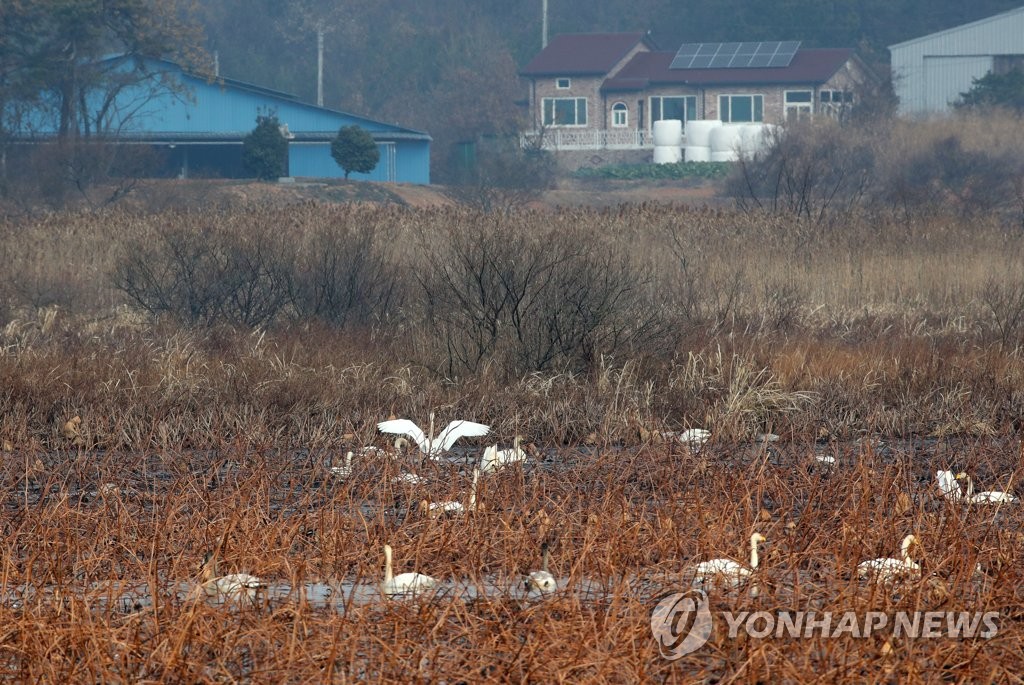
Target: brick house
(604, 90)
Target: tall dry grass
(752, 322)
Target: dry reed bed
(177, 389)
(867, 264)
(881, 328)
(624, 522)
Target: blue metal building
(199, 129)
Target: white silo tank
(697, 153)
(667, 154)
(750, 140)
(726, 138)
(668, 133)
(698, 131)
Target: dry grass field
(211, 409)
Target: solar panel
(735, 55)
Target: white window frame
(845, 96)
(620, 108)
(753, 107)
(838, 103)
(579, 106)
(687, 99)
(799, 110)
(567, 81)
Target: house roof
(812, 65)
(578, 54)
(380, 130)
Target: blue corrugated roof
(336, 117)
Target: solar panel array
(735, 55)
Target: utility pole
(544, 25)
(320, 64)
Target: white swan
(694, 438)
(987, 496)
(948, 486)
(887, 569)
(407, 478)
(235, 587)
(434, 447)
(542, 580)
(495, 459)
(404, 584)
(435, 509)
(372, 450)
(344, 470)
(826, 460)
(728, 572)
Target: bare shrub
(344, 273)
(91, 173)
(1004, 300)
(504, 178)
(202, 275)
(946, 176)
(814, 171)
(534, 299)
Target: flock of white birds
(723, 572)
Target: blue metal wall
(405, 161)
(228, 110)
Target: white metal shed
(930, 72)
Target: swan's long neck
(545, 556)
(516, 443)
(209, 568)
(970, 486)
(389, 573)
(472, 490)
(905, 551)
(430, 435)
(348, 460)
(753, 553)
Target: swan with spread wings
(428, 444)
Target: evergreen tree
(354, 149)
(265, 149)
(996, 90)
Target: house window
(741, 108)
(620, 115)
(682, 107)
(838, 97)
(565, 111)
(799, 105)
(562, 83)
(835, 103)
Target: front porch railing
(586, 139)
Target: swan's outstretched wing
(948, 485)
(455, 430)
(405, 427)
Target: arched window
(620, 115)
